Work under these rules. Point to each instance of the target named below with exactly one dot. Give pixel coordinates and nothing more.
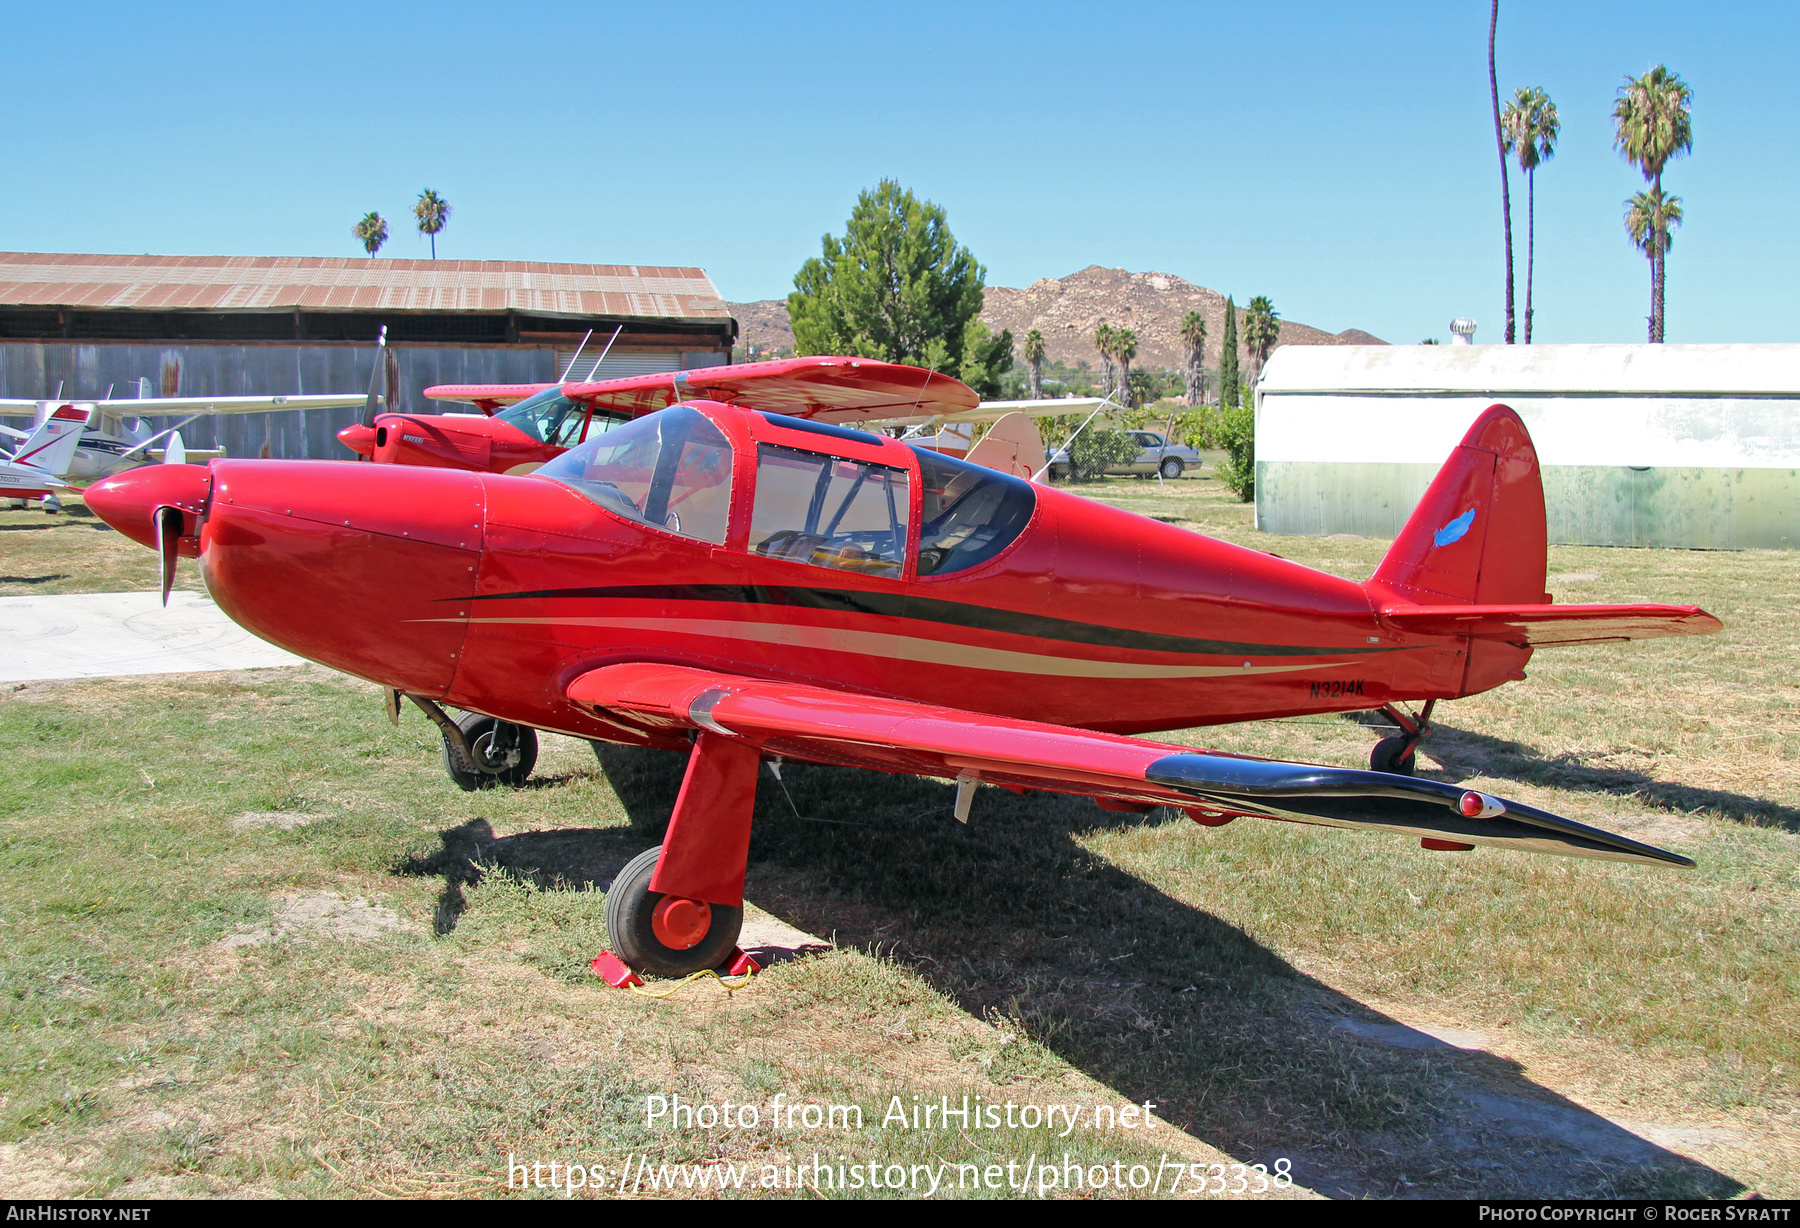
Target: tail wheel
(665, 934)
(504, 753)
(1171, 467)
(1395, 756)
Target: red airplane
(546, 420)
(749, 587)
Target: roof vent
(1463, 331)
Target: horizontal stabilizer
(1542, 625)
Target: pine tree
(897, 286)
(1228, 359)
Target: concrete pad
(105, 635)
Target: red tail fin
(1478, 534)
(1476, 538)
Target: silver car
(1155, 455)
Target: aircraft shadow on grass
(1464, 754)
(1154, 998)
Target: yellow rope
(729, 984)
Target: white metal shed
(1641, 445)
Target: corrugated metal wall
(35, 369)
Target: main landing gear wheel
(504, 753)
(1396, 756)
(1171, 468)
(665, 934)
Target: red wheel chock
(617, 973)
(614, 971)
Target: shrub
(1094, 450)
(1235, 431)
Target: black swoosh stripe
(931, 609)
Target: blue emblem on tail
(1455, 529)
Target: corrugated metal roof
(317, 283)
(1754, 368)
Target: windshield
(548, 417)
(670, 470)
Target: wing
(140, 406)
(488, 397)
(1543, 626)
(993, 411)
(823, 726)
(823, 388)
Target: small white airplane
(1012, 443)
(34, 469)
(115, 436)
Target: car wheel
(1171, 467)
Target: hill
(1068, 309)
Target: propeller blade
(390, 700)
(168, 533)
(377, 377)
(175, 453)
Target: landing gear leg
(501, 753)
(1396, 755)
(677, 909)
(479, 751)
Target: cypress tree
(1228, 359)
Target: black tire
(481, 731)
(1387, 757)
(1171, 467)
(629, 904)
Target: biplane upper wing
(812, 723)
(1543, 626)
(826, 389)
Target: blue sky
(1338, 158)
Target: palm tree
(1193, 336)
(1124, 350)
(1649, 216)
(1262, 330)
(1505, 191)
(433, 211)
(1103, 341)
(1654, 115)
(1531, 130)
(371, 232)
(1034, 362)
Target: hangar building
(248, 325)
(1694, 446)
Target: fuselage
(516, 440)
(492, 592)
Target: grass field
(257, 942)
